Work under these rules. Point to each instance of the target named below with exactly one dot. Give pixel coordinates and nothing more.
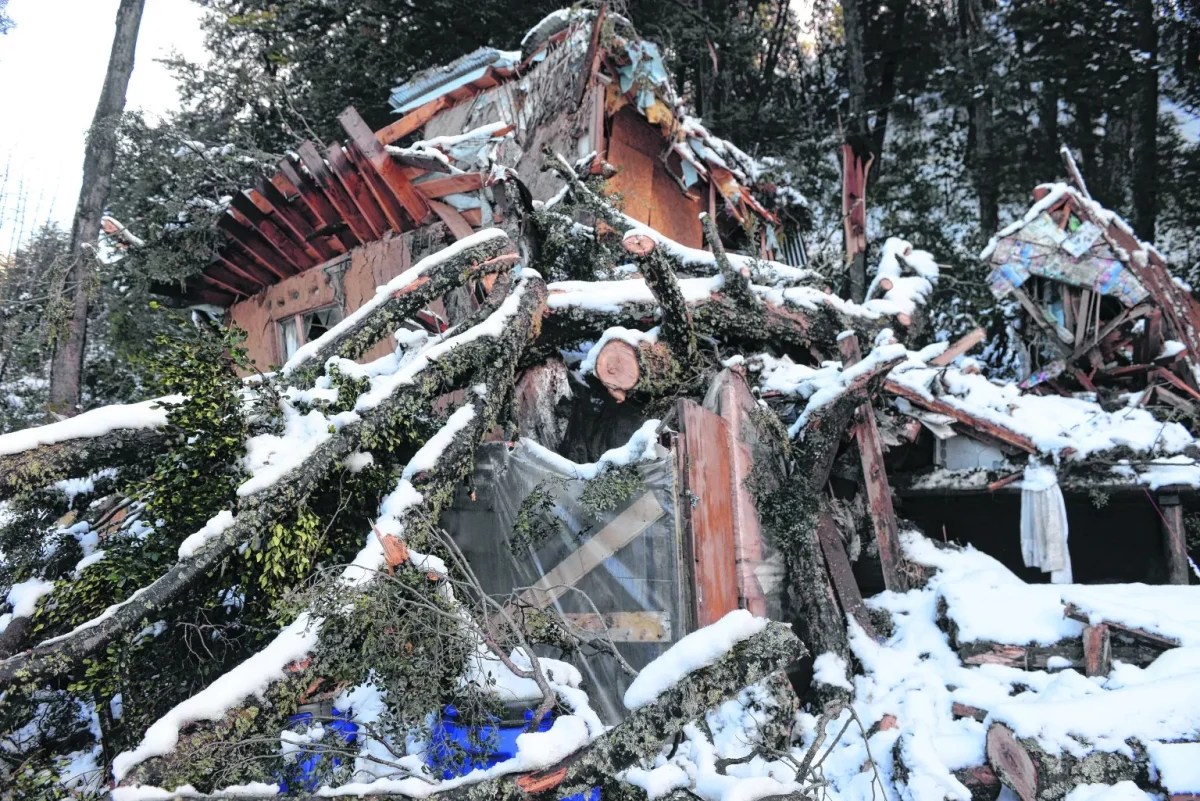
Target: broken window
(303, 328)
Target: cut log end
(1011, 762)
(618, 369)
(638, 244)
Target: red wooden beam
(1000, 433)
(254, 244)
(311, 196)
(335, 192)
(453, 220)
(875, 482)
(247, 272)
(302, 219)
(355, 191)
(436, 188)
(410, 122)
(291, 220)
(300, 255)
(391, 179)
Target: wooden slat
(289, 217)
(299, 254)
(254, 244)
(1097, 650)
(419, 163)
(335, 191)
(705, 471)
(394, 216)
(327, 218)
(620, 531)
(388, 171)
(247, 272)
(1174, 538)
(842, 575)
(876, 487)
(436, 188)
(356, 192)
(212, 280)
(453, 220)
(996, 432)
(410, 122)
(301, 217)
(1150, 638)
(960, 347)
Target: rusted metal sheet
(705, 470)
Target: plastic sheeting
(627, 561)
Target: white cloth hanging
(1044, 524)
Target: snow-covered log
(642, 734)
(457, 359)
(426, 485)
(1037, 775)
(483, 253)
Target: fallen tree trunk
(42, 465)
(457, 359)
(436, 487)
(483, 253)
(643, 733)
(1036, 775)
(646, 367)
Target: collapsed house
(618, 472)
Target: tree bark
(858, 156)
(45, 464)
(972, 32)
(1037, 775)
(272, 503)
(1145, 125)
(66, 367)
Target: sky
(52, 65)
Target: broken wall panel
(626, 561)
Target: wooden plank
(410, 122)
(620, 531)
(964, 344)
(1083, 316)
(1042, 320)
(299, 254)
(640, 626)
(266, 197)
(842, 575)
(453, 220)
(938, 406)
(392, 180)
(878, 491)
(394, 216)
(1157, 640)
(334, 192)
(591, 59)
(1176, 381)
(369, 214)
(1174, 541)
(249, 273)
(209, 278)
(705, 478)
(419, 163)
(435, 188)
(308, 193)
(1097, 650)
(254, 244)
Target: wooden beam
(435, 188)
(1019, 441)
(964, 344)
(875, 483)
(1174, 540)
(369, 214)
(842, 575)
(290, 217)
(1097, 650)
(1150, 638)
(209, 278)
(299, 254)
(254, 244)
(393, 185)
(247, 272)
(413, 120)
(620, 531)
(309, 194)
(457, 224)
(334, 192)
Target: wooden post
(879, 493)
(1097, 650)
(1174, 544)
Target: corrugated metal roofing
(427, 82)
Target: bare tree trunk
(1145, 125)
(858, 157)
(971, 27)
(66, 368)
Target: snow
(1121, 791)
(91, 424)
(269, 457)
(23, 597)
(1178, 766)
(427, 456)
(641, 447)
(829, 668)
(620, 333)
(1141, 606)
(358, 461)
(697, 650)
(212, 529)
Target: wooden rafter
(389, 182)
(309, 194)
(412, 121)
(436, 188)
(355, 191)
(299, 255)
(254, 244)
(288, 217)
